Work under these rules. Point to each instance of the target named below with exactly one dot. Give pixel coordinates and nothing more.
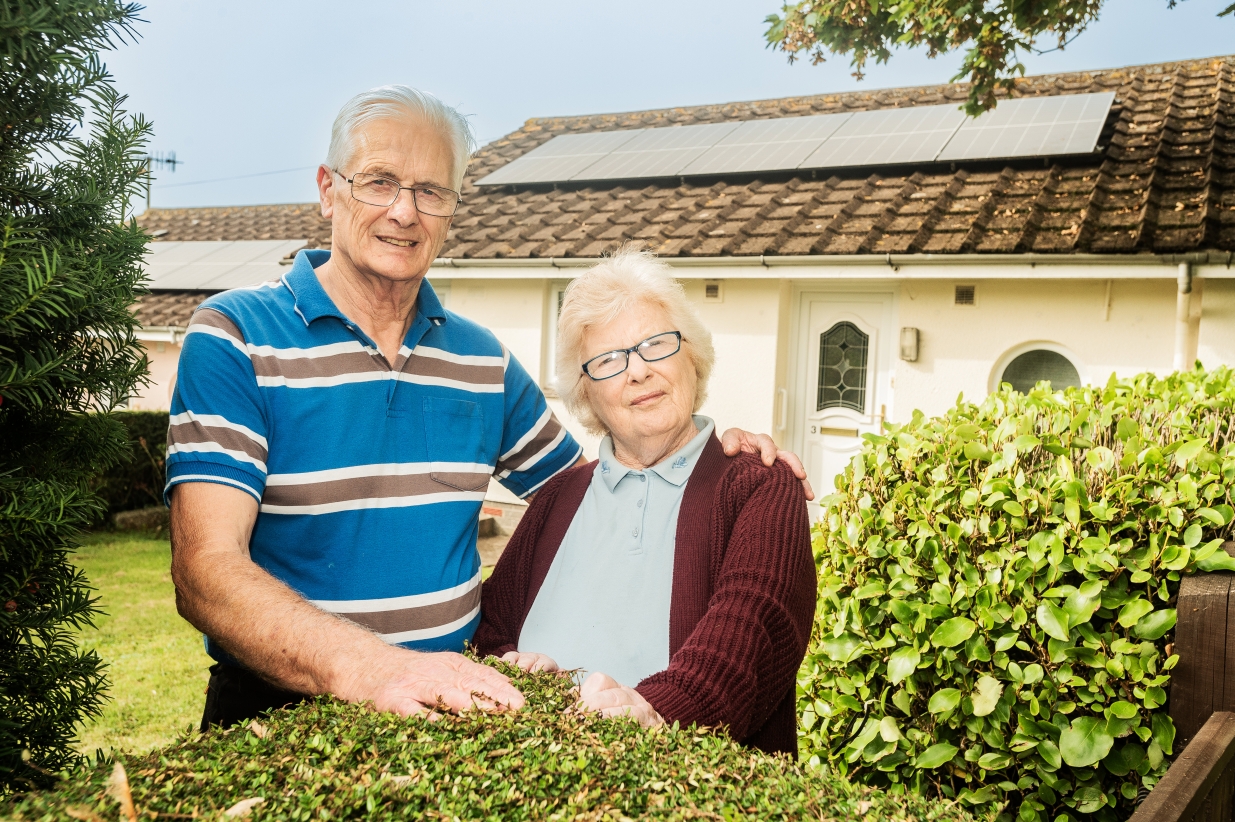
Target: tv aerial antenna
(158, 160)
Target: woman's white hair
(631, 278)
(393, 103)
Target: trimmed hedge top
(997, 591)
(326, 759)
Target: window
(557, 294)
(1027, 369)
(842, 368)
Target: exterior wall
(960, 346)
(1217, 337)
(157, 396)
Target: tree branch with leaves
(995, 35)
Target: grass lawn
(156, 661)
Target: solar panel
(767, 145)
(1033, 127)
(561, 158)
(657, 152)
(888, 137)
(1025, 127)
(215, 265)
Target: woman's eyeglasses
(612, 363)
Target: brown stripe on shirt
(423, 366)
(195, 432)
(545, 436)
(419, 618)
(372, 487)
(216, 319)
(303, 368)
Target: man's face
(396, 242)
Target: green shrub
(70, 163)
(326, 759)
(138, 481)
(997, 590)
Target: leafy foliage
(997, 589)
(68, 269)
(326, 759)
(995, 33)
(137, 481)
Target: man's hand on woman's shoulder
(736, 441)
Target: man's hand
(735, 441)
(412, 683)
(286, 640)
(601, 693)
(530, 662)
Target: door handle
(782, 418)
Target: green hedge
(326, 760)
(138, 481)
(997, 590)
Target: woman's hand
(529, 662)
(601, 693)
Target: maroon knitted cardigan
(743, 595)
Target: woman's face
(648, 399)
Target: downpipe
(1183, 314)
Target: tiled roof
(1163, 181)
(162, 309)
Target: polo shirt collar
(313, 303)
(674, 469)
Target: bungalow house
(857, 256)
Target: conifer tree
(70, 163)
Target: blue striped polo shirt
(369, 475)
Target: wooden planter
(1200, 784)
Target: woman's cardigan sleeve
(742, 658)
(504, 595)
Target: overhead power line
(237, 177)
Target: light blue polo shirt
(369, 474)
(604, 604)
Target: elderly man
(331, 439)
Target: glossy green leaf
(1133, 610)
(1155, 624)
(1053, 620)
(902, 663)
(944, 700)
(1218, 561)
(1085, 742)
(953, 632)
(938, 754)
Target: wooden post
(1199, 684)
(1199, 785)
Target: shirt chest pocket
(455, 443)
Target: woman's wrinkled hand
(602, 694)
(530, 662)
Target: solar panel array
(1025, 127)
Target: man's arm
(281, 636)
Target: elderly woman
(679, 579)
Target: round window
(1029, 368)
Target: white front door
(846, 389)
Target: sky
(244, 92)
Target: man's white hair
(630, 279)
(393, 103)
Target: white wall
(1217, 339)
(960, 345)
(157, 396)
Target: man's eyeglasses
(377, 190)
(612, 363)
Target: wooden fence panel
(1200, 784)
(1198, 683)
